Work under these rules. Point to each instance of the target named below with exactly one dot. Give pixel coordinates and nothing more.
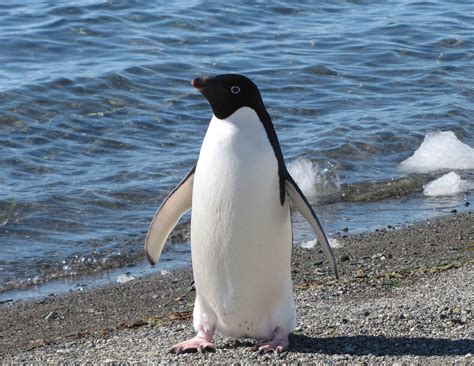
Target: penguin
(241, 235)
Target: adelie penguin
(241, 235)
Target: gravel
(405, 297)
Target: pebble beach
(405, 296)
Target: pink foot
(200, 343)
(279, 343)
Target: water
(98, 120)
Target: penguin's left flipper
(303, 206)
(178, 201)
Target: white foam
(440, 150)
(313, 180)
(447, 185)
(309, 244)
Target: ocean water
(98, 120)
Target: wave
(321, 184)
(42, 270)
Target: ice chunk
(124, 278)
(308, 244)
(334, 243)
(440, 150)
(447, 185)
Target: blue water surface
(98, 120)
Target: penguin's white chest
(240, 232)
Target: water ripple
(98, 120)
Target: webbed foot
(200, 343)
(279, 343)
(196, 344)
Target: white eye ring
(235, 89)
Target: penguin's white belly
(240, 234)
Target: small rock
(345, 258)
(359, 274)
(40, 342)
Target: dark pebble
(454, 211)
(345, 258)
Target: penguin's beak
(199, 83)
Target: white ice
(308, 244)
(440, 150)
(447, 185)
(124, 278)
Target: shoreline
(376, 269)
(139, 267)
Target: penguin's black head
(228, 92)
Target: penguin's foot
(196, 344)
(279, 343)
(200, 343)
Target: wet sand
(405, 294)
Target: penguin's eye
(235, 89)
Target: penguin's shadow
(380, 345)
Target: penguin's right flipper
(303, 206)
(178, 201)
